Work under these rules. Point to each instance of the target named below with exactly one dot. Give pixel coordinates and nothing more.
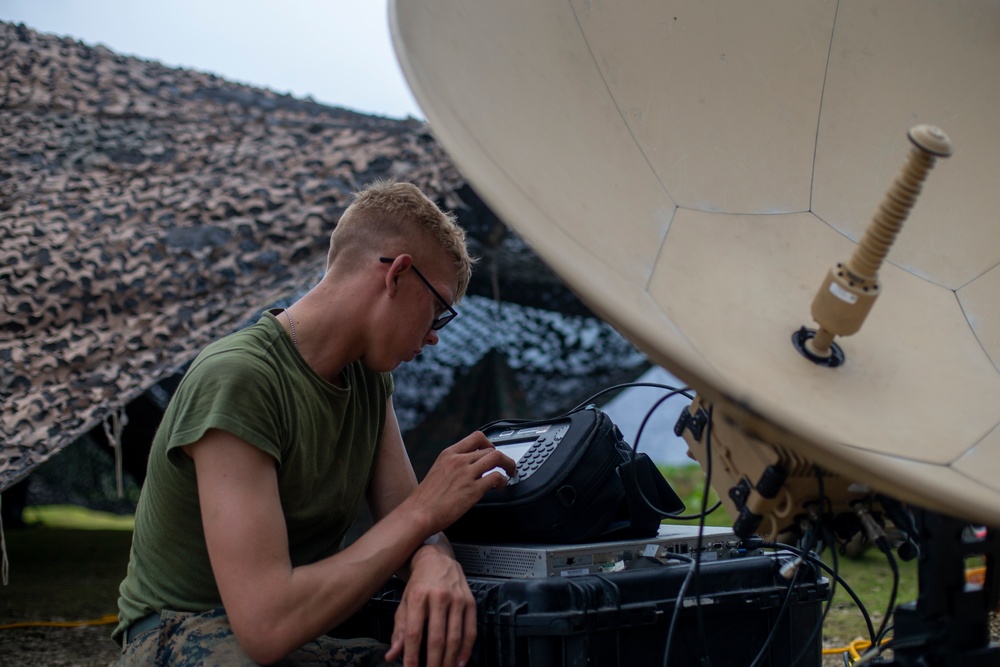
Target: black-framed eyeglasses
(441, 319)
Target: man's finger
(398, 630)
(468, 634)
(472, 442)
(493, 481)
(495, 459)
(414, 634)
(455, 640)
(437, 626)
(394, 648)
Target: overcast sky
(337, 51)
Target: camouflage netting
(501, 360)
(145, 211)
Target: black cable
(635, 450)
(840, 580)
(626, 385)
(692, 517)
(879, 539)
(649, 413)
(892, 596)
(669, 555)
(673, 391)
(809, 541)
(828, 539)
(875, 651)
(883, 633)
(694, 573)
(680, 593)
(699, 612)
(781, 615)
(589, 401)
(677, 606)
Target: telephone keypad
(538, 454)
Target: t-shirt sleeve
(230, 392)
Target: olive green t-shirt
(324, 439)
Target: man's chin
(378, 367)
(388, 366)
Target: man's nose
(431, 338)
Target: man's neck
(325, 334)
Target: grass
(869, 575)
(74, 517)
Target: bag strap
(642, 479)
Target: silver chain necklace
(291, 324)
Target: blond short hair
(391, 217)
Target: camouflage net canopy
(145, 211)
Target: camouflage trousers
(185, 638)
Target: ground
(58, 647)
(64, 576)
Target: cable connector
(755, 542)
(874, 531)
(788, 570)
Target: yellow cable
(857, 646)
(107, 619)
(853, 648)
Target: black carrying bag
(578, 481)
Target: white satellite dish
(692, 171)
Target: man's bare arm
(274, 608)
(394, 479)
(437, 594)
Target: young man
(271, 442)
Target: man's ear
(399, 265)
(404, 262)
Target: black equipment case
(623, 618)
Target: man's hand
(438, 596)
(456, 481)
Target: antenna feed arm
(841, 306)
(850, 289)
